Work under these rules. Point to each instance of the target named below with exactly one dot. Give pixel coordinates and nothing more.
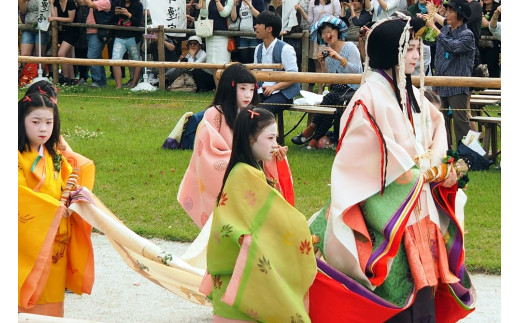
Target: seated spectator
(65, 11)
(170, 54)
(203, 77)
(338, 57)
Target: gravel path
(122, 295)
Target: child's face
(264, 147)
(245, 93)
(412, 56)
(38, 126)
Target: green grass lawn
(123, 131)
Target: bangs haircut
(43, 87)
(270, 19)
(226, 93)
(247, 129)
(26, 105)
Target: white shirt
(289, 61)
(391, 7)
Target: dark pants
(421, 311)
(460, 113)
(275, 102)
(203, 80)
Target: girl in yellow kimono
(54, 248)
(260, 256)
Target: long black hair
(26, 105)
(248, 125)
(317, 2)
(43, 87)
(383, 51)
(226, 94)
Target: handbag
(204, 27)
(234, 25)
(231, 45)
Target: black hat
(460, 6)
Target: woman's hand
(451, 179)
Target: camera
(324, 53)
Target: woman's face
(245, 93)
(412, 56)
(264, 146)
(194, 45)
(329, 35)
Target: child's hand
(282, 152)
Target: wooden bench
(490, 125)
(310, 109)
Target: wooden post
(305, 55)
(54, 44)
(160, 51)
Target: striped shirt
(454, 57)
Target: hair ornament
(53, 100)
(41, 91)
(233, 83)
(26, 98)
(253, 113)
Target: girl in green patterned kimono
(260, 256)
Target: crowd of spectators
(483, 21)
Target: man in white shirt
(274, 96)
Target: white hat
(195, 38)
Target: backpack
(106, 18)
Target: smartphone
(118, 8)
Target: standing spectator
(494, 24)
(474, 24)
(418, 7)
(99, 10)
(246, 11)
(216, 46)
(354, 14)
(30, 43)
(65, 11)
(203, 77)
(296, 43)
(275, 51)
(454, 57)
(489, 49)
(318, 8)
(382, 9)
(81, 47)
(129, 13)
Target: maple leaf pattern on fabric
(223, 199)
(217, 282)
(264, 265)
(226, 231)
(297, 318)
(288, 239)
(305, 247)
(250, 196)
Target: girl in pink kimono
(212, 147)
(392, 237)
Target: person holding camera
(354, 13)
(129, 13)
(339, 56)
(203, 77)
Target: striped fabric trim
(377, 268)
